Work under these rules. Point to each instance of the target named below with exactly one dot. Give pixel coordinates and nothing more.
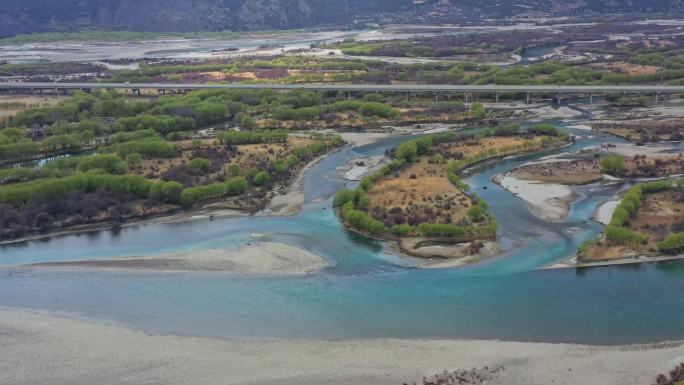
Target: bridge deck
(350, 87)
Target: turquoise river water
(368, 292)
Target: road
(161, 87)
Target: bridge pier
(136, 91)
(161, 91)
(656, 98)
(465, 97)
(527, 98)
(558, 98)
(497, 96)
(591, 98)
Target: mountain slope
(25, 16)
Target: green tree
(200, 164)
(478, 111)
(261, 178)
(134, 160)
(107, 163)
(407, 151)
(613, 165)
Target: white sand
(582, 127)
(287, 204)
(45, 350)
(362, 138)
(447, 253)
(265, 258)
(292, 201)
(547, 201)
(562, 112)
(353, 171)
(630, 149)
(626, 260)
(604, 213)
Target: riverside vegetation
(648, 220)
(150, 157)
(111, 158)
(420, 193)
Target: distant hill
(26, 16)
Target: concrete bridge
(162, 88)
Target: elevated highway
(408, 88)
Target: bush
(149, 148)
(361, 220)
(200, 164)
(407, 151)
(168, 192)
(342, 197)
(134, 160)
(673, 243)
(623, 236)
(613, 165)
(253, 137)
(192, 195)
(476, 213)
(441, 230)
(162, 124)
(107, 163)
(402, 230)
(378, 109)
(43, 190)
(546, 129)
(261, 178)
(18, 174)
(586, 245)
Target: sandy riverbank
(549, 112)
(45, 349)
(547, 201)
(356, 169)
(358, 139)
(435, 253)
(265, 258)
(574, 262)
(630, 149)
(292, 202)
(604, 212)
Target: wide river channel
(368, 292)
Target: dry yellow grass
(31, 101)
(423, 189)
(665, 165)
(606, 253)
(657, 215)
(473, 147)
(423, 185)
(572, 172)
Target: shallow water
(368, 292)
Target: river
(368, 292)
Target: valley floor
(46, 349)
